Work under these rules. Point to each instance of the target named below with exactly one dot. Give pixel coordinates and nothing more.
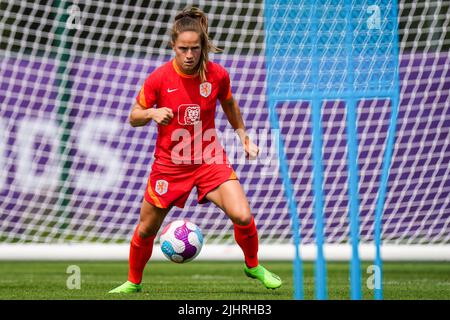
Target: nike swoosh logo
(171, 90)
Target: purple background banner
(110, 161)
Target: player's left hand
(251, 149)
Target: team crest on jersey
(188, 114)
(205, 89)
(161, 187)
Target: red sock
(140, 252)
(247, 238)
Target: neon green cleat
(127, 287)
(269, 279)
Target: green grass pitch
(204, 280)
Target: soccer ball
(181, 241)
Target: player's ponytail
(194, 19)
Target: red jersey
(190, 137)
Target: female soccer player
(180, 96)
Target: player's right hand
(162, 115)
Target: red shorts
(171, 185)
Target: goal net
(73, 171)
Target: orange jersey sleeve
(148, 95)
(225, 88)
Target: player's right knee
(146, 230)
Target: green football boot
(127, 287)
(269, 279)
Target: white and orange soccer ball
(181, 241)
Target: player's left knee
(239, 213)
(243, 219)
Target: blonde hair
(194, 19)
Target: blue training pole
(353, 171)
(352, 140)
(290, 196)
(320, 270)
(390, 141)
(271, 56)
